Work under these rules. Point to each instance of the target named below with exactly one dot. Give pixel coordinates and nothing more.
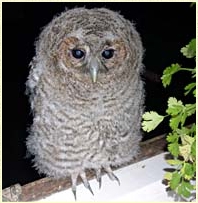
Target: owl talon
(114, 177)
(85, 182)
(74, 192)
(98, 177)
(74, 180)
(100, 182)
(89, 188)
(111, 175)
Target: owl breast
(78, 126)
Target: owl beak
(94, 66)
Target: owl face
(86, 57)
(95, 45)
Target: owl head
(94, 45)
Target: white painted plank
(140, 182)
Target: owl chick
(86, 95)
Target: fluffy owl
(86, 95)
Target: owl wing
(36, 70)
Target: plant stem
(187, 69)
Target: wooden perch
(47, 186)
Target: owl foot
(82, 175)
(111, 175)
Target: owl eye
(77, 53)
(108, 53)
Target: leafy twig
(181, 140)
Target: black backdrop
(164, 28)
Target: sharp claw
(74, 179)
(98, 177)
(74, 192)
(100, 182)
(89, 187)
(116, 178)
(85, 182)
(111, 175)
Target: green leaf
(189, 185)
(174, 182)
(174, 122)
(173, 148)
(194, 166)
(182, 190)
(190, 109)
(183, 131)
(168, 176)
(193, 148)
(151, 120)
(194, 93)
(188, 171)
(189, 88)
(185, 188)
(189, 51)
(193, 72)
(193, 129)
(174, 106)
(187, 140)
(168, 72)
(174, 162)
(184, 115)
(185, 151)
(172, 137)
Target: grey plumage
(87, 110)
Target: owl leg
(98, 177)
(74, 177)
(85, 182)
(111, 175)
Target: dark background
(164, 28)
